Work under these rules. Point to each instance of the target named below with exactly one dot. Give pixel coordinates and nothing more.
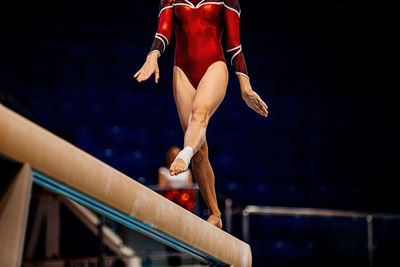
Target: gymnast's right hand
(148, 68)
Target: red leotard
(198, 29)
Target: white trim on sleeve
(158, 37)
(163, 10)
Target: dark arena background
(328, 71)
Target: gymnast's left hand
(148, 68)
(252, 99)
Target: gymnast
(200, 78)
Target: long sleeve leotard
(198, 29)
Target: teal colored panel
(122, 218)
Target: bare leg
(205, 178)
(195, 109)
(209, 95)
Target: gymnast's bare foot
(178, 166)
(215, 220)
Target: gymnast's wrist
(153, 55)
(245, 90)
(244, 83)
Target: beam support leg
(14, 207)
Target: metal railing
(286, 211)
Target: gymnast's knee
(199, 116)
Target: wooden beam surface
(24, 141)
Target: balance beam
(60, 163)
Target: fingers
(262, 106)
(157, 75)
(143, 76)
(144, 73)
(137, 73)
(254, 106)
(263, 103)
(260, 111)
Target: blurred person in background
(175, 188)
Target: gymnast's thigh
(184, 93)
(212, 88)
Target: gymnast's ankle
(186, 154)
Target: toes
(172, 170)
(216, 221)
(177, 167)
